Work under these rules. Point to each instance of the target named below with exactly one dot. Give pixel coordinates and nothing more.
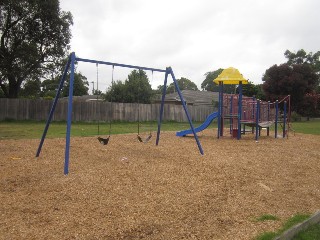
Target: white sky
(191, 36)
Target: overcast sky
(193, 37)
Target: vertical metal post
(67, 150)
(257, 119)
(268, 118)
(284, 118)
(239, 110)
(186, 111)
(231, 114)
(164, 90)
(276, 121)
(220, 124)
(53, 107)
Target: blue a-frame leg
(62, 80)
(169, 71)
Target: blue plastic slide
(203, 126)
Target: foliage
(35, 35)
(208, 83)
(295, 80)
(251, 90)
(295, 117)
(1, 93)
(311, 233)
(267, 236)
(267, 217)
(135, 89)
(260, 94)
(80, 86)
(301, 57)
(298, 218)
(183, 83)
(310, 105)
(31, 89)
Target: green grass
(267, 217)
(31, 129)
(308, 127)
(298, 218)
(312, 233)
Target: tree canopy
(208, 83)
(80, 86)
(135, 89)
(296, 80)
(183, 83)
(35, 36)
(301, 57)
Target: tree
(117, 92)
(301, 57)
(80, 86)
(296, 80)
(208, 83)
(252, 90)
(183, 83)
(32, 89)
(135, 89)
(35, 35)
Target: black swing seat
(103, 141)
(146, 140)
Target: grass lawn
(308, 127)
(31, 129)
(288, 224)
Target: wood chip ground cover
(131, 190)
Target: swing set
(71, 65)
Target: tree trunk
(14, 88)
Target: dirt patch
(131, 190)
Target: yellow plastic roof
(230, 76)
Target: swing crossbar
(119, 65)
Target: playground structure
(241, 111)
(255, 114)
(244, 111)
(71, 66)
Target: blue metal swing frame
(71, 65)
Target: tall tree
(301, 57)
(296, 80)
(249, 89)
(183, 83)
(208, 83)
(80, 86)
(34, 36)
(31, 89)
(135, 89)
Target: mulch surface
(131, 190)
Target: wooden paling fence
(38, 110)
